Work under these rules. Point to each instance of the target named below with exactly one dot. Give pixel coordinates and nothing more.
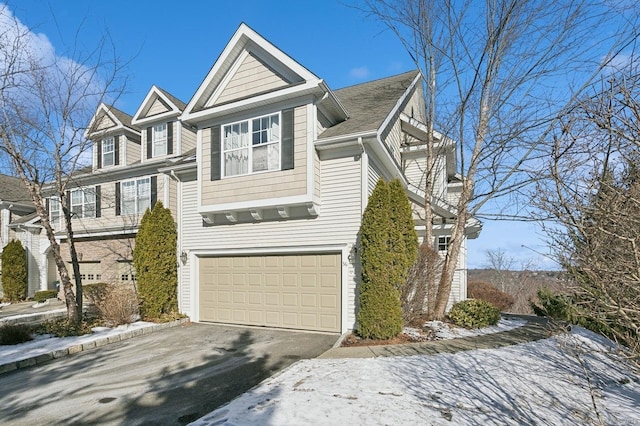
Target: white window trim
(136, 182)
(250, 147)
(83, 213)
(105, 152)
(155, 141)
(56, 201)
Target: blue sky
(174, 44)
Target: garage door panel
(292, 291)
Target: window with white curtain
(159, 139)
(108, 151)
(135, 196)
(251, 146)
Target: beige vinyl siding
(262, 185)
(317, 190)
(338, 223)
(132, 148)
(188, 139)
(105, 122)
(157, 107)
(251, 78)
(173, 197)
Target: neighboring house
(267, 172)
(16, 215)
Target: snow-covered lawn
(550, 381)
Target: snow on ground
(46, 343)
(542, 382)
(445, 331)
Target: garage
(301, 291)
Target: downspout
(364, 176)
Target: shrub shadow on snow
(538, 382)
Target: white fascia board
(396, 107)
(342, 112)
(342, 140)
(174, 112)
(107, 111)
(286, 93)
(380, 153)
(158, 117)
(258, 204)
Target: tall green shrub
(14, 271)
(380, 312)
(155, 262)
(401, 218)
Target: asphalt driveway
(169, 377)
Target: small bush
(44, 295)
(474, 313)
(556, 306)
(95, 293)
(64, 328)
(489, 293)
(118, 305)
(14, 334)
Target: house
(267, 172)
(16, 223)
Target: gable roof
(369, 104)
(121, 120)
(12, 189)
(246, 49)
(173, 105)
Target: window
(159, 139)
(127, 272)
(251, 146)
(135, 196)
(83, 203)
(55, 211)
(108, 151)
(443, 243)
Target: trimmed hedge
(474, 313)
(155, 261)
(485, 291)
(14, 271)
(44, 295)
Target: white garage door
(290, 291)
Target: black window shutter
(46, 205)
(98, 201)
(286, 150)
(116, 150)
(170, 137)
(99, 149)
(215, 153)
(149, 143)
(154, 190)
(68, 203)
(117, 198)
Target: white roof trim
(111, 115)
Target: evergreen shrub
(14, 271)
(474, 313)
(380, 312)
(155, 261)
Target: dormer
(163, 133)
(116, 141)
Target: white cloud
(359, 73)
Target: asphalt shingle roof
(12, 189)
(177, 102)
(124, 118)
(368, 104)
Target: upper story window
(135, 196)
(108, 151)
(55, 211)
(83, 202)
(443, 242)
(159, 139)
(251, 146)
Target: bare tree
(46, 101)
(593, 197)
(498, 74)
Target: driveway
(170, 377)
